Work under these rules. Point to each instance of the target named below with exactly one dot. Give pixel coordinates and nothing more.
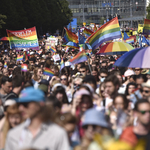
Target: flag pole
(89, 67)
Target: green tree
(148, 12)
(2, 17)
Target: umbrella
(72, 45)
(4, 39)
(115, 48)
(86, 46)
(137, 58)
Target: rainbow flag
(39, 52)
(146, 27)
(80, 57)
(25, 56)
(130, 40)
(24, 67)
(62, 65)
(53, 49)
(48, 72)
(107, 32)
(5, 64)
(19, 57)
(23, 39)
(87, 32)
(95, 28)
(67, 49)
(69, 36)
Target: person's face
(94, 73)
(59, 96)
(145, 92)
(137, 71)
(29, 110)
(39, 73)
(83, 71)
(31, 63)
(120, 78)
(69, 127)
(139, 82)
(14, 119)
(118, 103)
(85, 103)
(93, 58)
(63, 80)
(130, 89)
(143, 114)
(7, 87)
(109, 88)
(103, 65)
(5, 72)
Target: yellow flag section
(140, 28)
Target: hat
(9, 102)
(129, 73)
(43, 87)
(146, 84)
(56, 85)
(31, 53)
(145, 71)
(82, 92)
(30, 94)
(95, 117)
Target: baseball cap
(31, 95)
(43, 87)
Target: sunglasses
(77, 84)
(144, 91)
(23, 104)
(63, 79)
(144, 111)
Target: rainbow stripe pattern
(48, 72)
(23, 39)
(19, 57)
(67, 49)
(5, 64)
(146, 27)
(69, 36)
(80, 57)
(107, 32)
(25, 56)
(53, 49)
(24, 67)
(130, 40)
(62, 65)
(87, 32)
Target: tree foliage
(46, 15)
(2, 17)
(148, 12)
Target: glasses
(102, 91)
(144, 91)
(82, 71)
(143, 112)
(23, 104)
(137, 70)
(77, 84)
(63, 79)
(103, 76)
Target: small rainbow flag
(48, 72)
(53, 49)
(19, 57)
(39, 52)
(87, 32)
(69, 36)
(146, 27)
(62, 65)
(80, 57)
(24, 67)
(107, 32)
(130, 40)
(5, 64)
(67, 49)
(25, 56)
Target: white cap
(9, 102)
(129, 73)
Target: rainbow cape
(146, 27)
(19, 57)
(87, 32)
(53, 49)
(24, 67)
(107, 32)
(48, 72)
(69, 36)
(5, 64)
(80, 57)
(62, 65)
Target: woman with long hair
(13, 118)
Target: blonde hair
(35, 77)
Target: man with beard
(141, 130)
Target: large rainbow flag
(146, 27)
(69, 36)
(87, 32)
(107, 32)
(80, 57)
(23, 39)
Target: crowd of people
(92, 105)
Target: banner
(140, 28)
(23, 39)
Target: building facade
(129, 12)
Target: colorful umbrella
(137, 58)
(115, 48)
(72, 45)
(4, 39)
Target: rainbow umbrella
(4, 39)
(115, 48)
(71, 45)
(137, 58)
